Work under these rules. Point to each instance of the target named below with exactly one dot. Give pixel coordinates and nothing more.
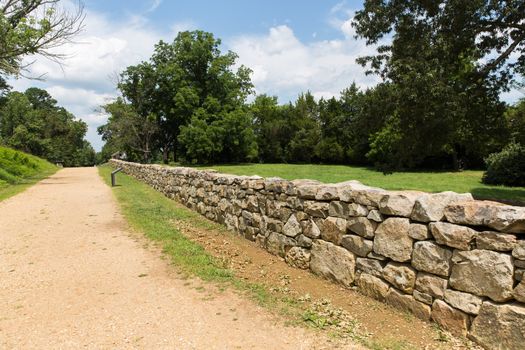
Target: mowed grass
(461, 182)
(19, 170)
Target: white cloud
(154, 5)
(285, 66)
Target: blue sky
(291, 46)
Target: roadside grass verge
(19, 171)
(464, 181)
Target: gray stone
(310, 229)
(519, 292)
(450, 319)
(298, 257)
(327, 193)
(278, 244)
(519, 263)
(499, 326)
(407, 302)
(338, 209)
(304, 241)
(375, 215)
(431, 284)
(503, 218)
(369, 266)
(465, 302)
(419, 232)
(430, 257)
(361, 194)
(333, 229)
(357, 245)
(399, 203)
(372, 286)
(430, 207)
(452, 235)
(483, 273)
(423, 297)
(355, 209)
(519, 274)
(362, 226)
(392, 240)
(307, 190)
(292, 227)
(519, 250)
(316, 209)
(503, 242)
(400, 276)
(332, 262)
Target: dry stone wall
(444, 257)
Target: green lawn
(19, 170)
(465, 181)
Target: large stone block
(370, 266)
(332, 262)
(292, 228)
(372, 286)
(310, 229)
(419, 232)
(431, 284)
(519, 251)
(430, 257)
(333, 229)
(362, 226)
(316, 209)
(463, 301)
(503, 242)
(298, 257)
(407, 302)
(357, 245)
(278, 244)
(361, 194)
(449, 318)
(431, 206)
(400, 203)
(327, 193)
(519, 292)
(400, 276)
(483, 273)
(392, 240)
(499, 327)
(455, 236)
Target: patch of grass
(19, 170)
(464, 181)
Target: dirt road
(73, 276)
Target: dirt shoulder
(74, 276)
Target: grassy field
(19, 170)
(465, 181)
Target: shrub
(506, 167)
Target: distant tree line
(33, 122)
(443, 67)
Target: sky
(292, 46)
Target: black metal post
(113, 177)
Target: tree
(29, 27)
(515, 117)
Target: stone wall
(444, 257)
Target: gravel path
(72, 276)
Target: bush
(506, 167)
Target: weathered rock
(463, 301)
(400, 203)
(452, 235)
(361, 194)
(333, 229)
(431, 284)
(519, 263)
(503, 242)
(298, 257)
(357, 245)
(278, 244)
(499, 327)
(304, 242)
(375, 215)
(407, 302)
(375, 256)
(372, 286)
(392, 240)
(355, 209)
(418, 232)
(338, 209)
(483, 273)
(327, 193)
(293, 227)
(430, 257)
(400, 276)
(332, 262)
(369, 266)
(310, 229)
(449, 318)
(519, 250)
(362, 226)
(316, 209)
(519, 292)
(423, 297)
(504, 218)
(519, 274)
(431, 206)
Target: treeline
(33, 122)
